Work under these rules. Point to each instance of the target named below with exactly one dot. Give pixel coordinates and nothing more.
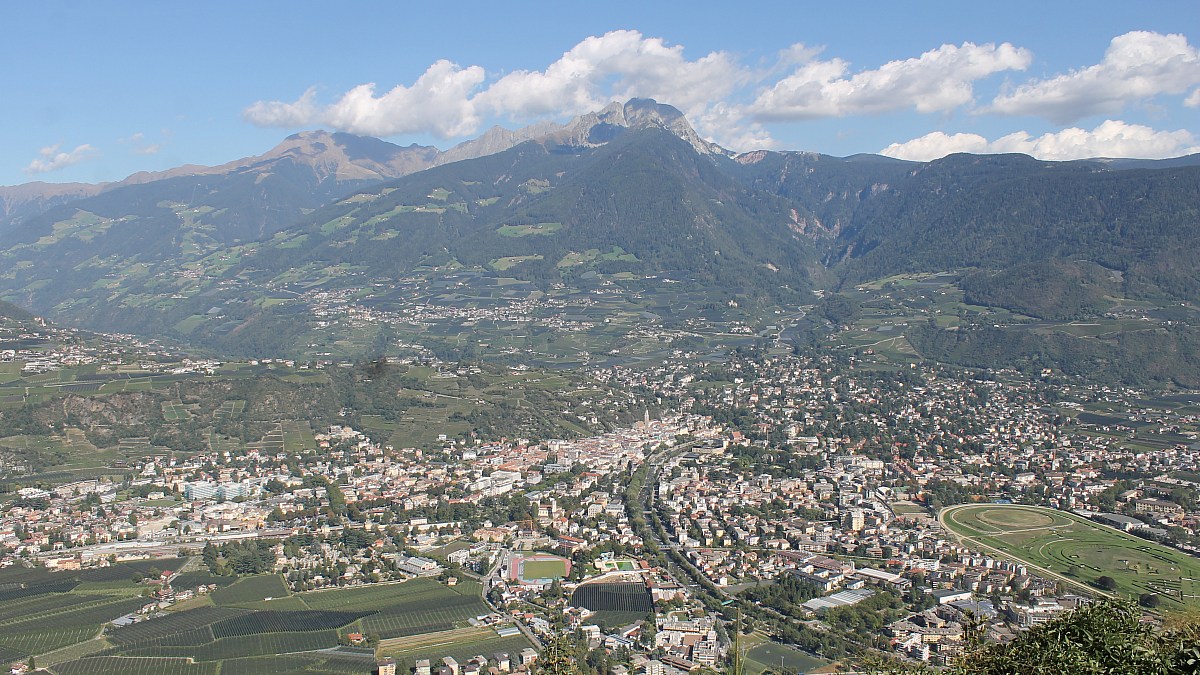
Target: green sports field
(544, 569)
(763, 655)
(1080, 550)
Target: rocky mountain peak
(348, 157)
(588, 130)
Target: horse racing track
(1079, 550)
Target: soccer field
(1080, 550)
(539, 567)
(544, 569)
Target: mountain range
(629, 195)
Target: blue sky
(95, 90)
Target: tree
(556, 659)
(1106, 583)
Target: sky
(95, 90)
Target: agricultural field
(198, 578)
(614, 603)
(413, 616)
(175, 411)
(121, 665)
(230, 409)
(213, 635)
(297, 437)
(461, 644)
(59, 615)
(347, 660)
(251, 589)
(409, 608)
(1077, 550)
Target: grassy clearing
(11, 371)
(191, 323)
(527, 230)
(501, 264)
(594, 254)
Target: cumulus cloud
(727, 126)
(617, 65)
(733, 105)
(448, 100)
(1137, 65)
(301, 112)
(1112, 138)
(438, 102)
(50, 159)
(936, 145)
(938, 80)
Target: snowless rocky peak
(643, 113)
(588, 130)
(350, 157)
(639, 113)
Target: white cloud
(447, 100)
(452, 101)
(51, 159)
(1137, 65)
(726, 125)
(936, 145)
(1113, 138)
(938, 80)
(303, 111)
(141, 146)
(438, 102)
(617, 65)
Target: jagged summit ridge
(589, 130)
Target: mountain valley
(588, 237)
